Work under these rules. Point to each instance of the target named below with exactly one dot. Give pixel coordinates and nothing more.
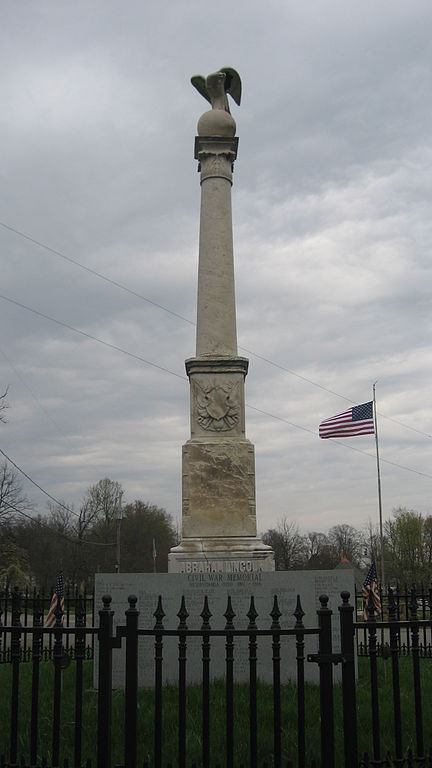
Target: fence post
(158, 629)
(36, 657)
(301, 717)
(131, 686)
(325, 663)
(229, 684)
(276, 647)
(104, 684)
(416, 672)
(80, 622)
(394, 650)
(58, 652)
(15, 659)
(206, 616)
(253, 720)
(182, 628)
(375, 725)
(346, 612)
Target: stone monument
(218, 510)
(220, 555)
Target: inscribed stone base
(235, 554)
(217, 587)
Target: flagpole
(379, 489)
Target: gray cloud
(332, 212)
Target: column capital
(214, 365)
(216, 156)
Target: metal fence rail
(31, 601)
(129, 632)
(401, 599)
(34, 606)
(127, 636)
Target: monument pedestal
(219, 532)
(234, 554)
(217, 587)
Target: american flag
(357, 420)
(370, 586)
(58, 595)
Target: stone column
(218, 515)
(216, 316)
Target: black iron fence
(31, 601)
(34, 607)
(398, 599)
(27, 753)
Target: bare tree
(61, 518)
(321, 553)
(101, 502)
(288, 545)
(348, 542)
(12, 497)
(3, 405)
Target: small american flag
(370, 586)
(58, 595)
(357, 420)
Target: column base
(230, 554)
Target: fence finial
(182, 614)
(229, 614)
(106, 600)
(206, 615)
(275, 613)
(299, 613)
(252, 614)
(132, 600)
(159, 614)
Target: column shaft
(216, 314)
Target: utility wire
(89, 336)
(172, 373)
(191, 322)
(46, 527)
(339, 442)
(35, 398)
(60, 504)
(95, 273)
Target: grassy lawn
(170, 703)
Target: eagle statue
(217, 85)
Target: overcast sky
(332, 231)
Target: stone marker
(219, 531)
(220, 554)
(217, 586)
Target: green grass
(241, 725)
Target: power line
(60, 504)
(123, 287)
(172, 373)
(331, 391)
(339, 442)
(89, 336)
(37, 521)
(95, 273)
(35, 398)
